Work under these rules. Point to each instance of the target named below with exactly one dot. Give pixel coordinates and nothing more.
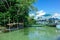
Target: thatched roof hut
(12, 24)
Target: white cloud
(40, 13)
(56, 15)
(32, 14)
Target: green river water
(32, 33)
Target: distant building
(41, 20)
(47, 21)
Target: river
(43, 33)
(33, 33)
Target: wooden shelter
(12, 24)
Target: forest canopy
(15, 11)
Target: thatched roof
(11, 24)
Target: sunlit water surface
(32, 33)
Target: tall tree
(15, 10)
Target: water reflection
(33, 33)
(26, 31)
(58, 38)
(42, 34)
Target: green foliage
(15, 11)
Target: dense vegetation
(15, 11)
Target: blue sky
(49, 6)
